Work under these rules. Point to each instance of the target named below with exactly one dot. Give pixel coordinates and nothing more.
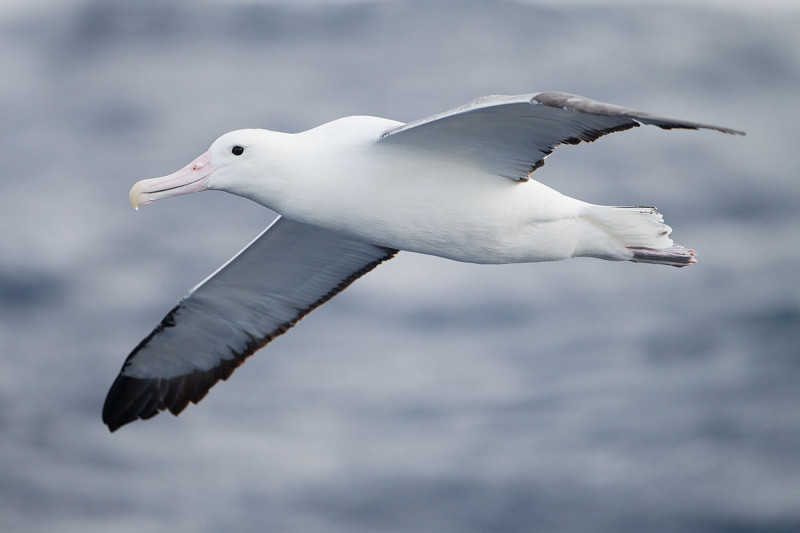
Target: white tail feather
(642, 233)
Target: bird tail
(642, 233)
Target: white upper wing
(511, 135)
(286, 272)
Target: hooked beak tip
(135, 196)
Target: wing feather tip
(130, 399)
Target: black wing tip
(131, 399)
(126, 402)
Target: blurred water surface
(431, 396)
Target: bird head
(238, 162)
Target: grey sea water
(431, 396)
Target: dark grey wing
(286, 272)
(511, 135)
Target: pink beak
(191, 178)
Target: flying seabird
(352, 193)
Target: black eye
(237, 150)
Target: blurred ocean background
(580, 396)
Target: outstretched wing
(286, 272)
(511, 135)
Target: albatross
(351, 194)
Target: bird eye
(237, 150)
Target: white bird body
(352, 193)
(419, 202)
